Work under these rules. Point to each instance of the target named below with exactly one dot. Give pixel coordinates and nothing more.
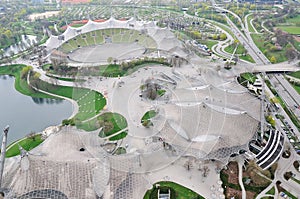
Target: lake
(24, 114)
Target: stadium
(95, 42)
(205, 115)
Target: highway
(287, 93)
(247, 41)
(284, 89)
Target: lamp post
(3, 151)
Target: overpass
(279, 67)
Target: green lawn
(295, 74)
(113, 122)
(90, 102)
(209, 43)
(77, 25)
(119, 136)
(296, 44)
(161, 92)
(240, 49)
(271, 191)
(247, 58)
(294, 30)
(112, 70)
(224, 27)
(181, 192)
(259, 41)
(148, 115)
(297, 88)
(21, 84)
(27, 144)
(67, 79)
(251, 29)
(294, 19)
(120, 150)
(115, 70)
(290, 25)
(249, 76)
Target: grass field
(27, 144)
(90, 102)
(240, 49)
(209, 43)
(119, 136)
(294, 30)
(297, 88)
(259, 41)
(247, 58)
(249, 77)
(181, 192)
(148, 115)
(271, 191)
(116, 121)
(249, 24)
(293, 20)
(291, 25)
(295, 74)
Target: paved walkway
(240, 167)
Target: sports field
(100, 53)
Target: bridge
(280, 67)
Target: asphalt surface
(286, 92)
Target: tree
(273, 60)
(25, 71)
(236, 42)
(252, 6)
(290, 54)
(215, 37)
(31, 135)
(223, 36)
(188, 165)
(109, 60)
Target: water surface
(24, 114)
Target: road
(284, 165)
(251, 24)
(286, 92)
(248, 43)
(287, 165)
(246, 39)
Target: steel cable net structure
(60, 172)
(207, 122)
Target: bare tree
(188, 165)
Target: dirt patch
(230, 192)
(232, 172)
(35, 16)
(297, 38)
